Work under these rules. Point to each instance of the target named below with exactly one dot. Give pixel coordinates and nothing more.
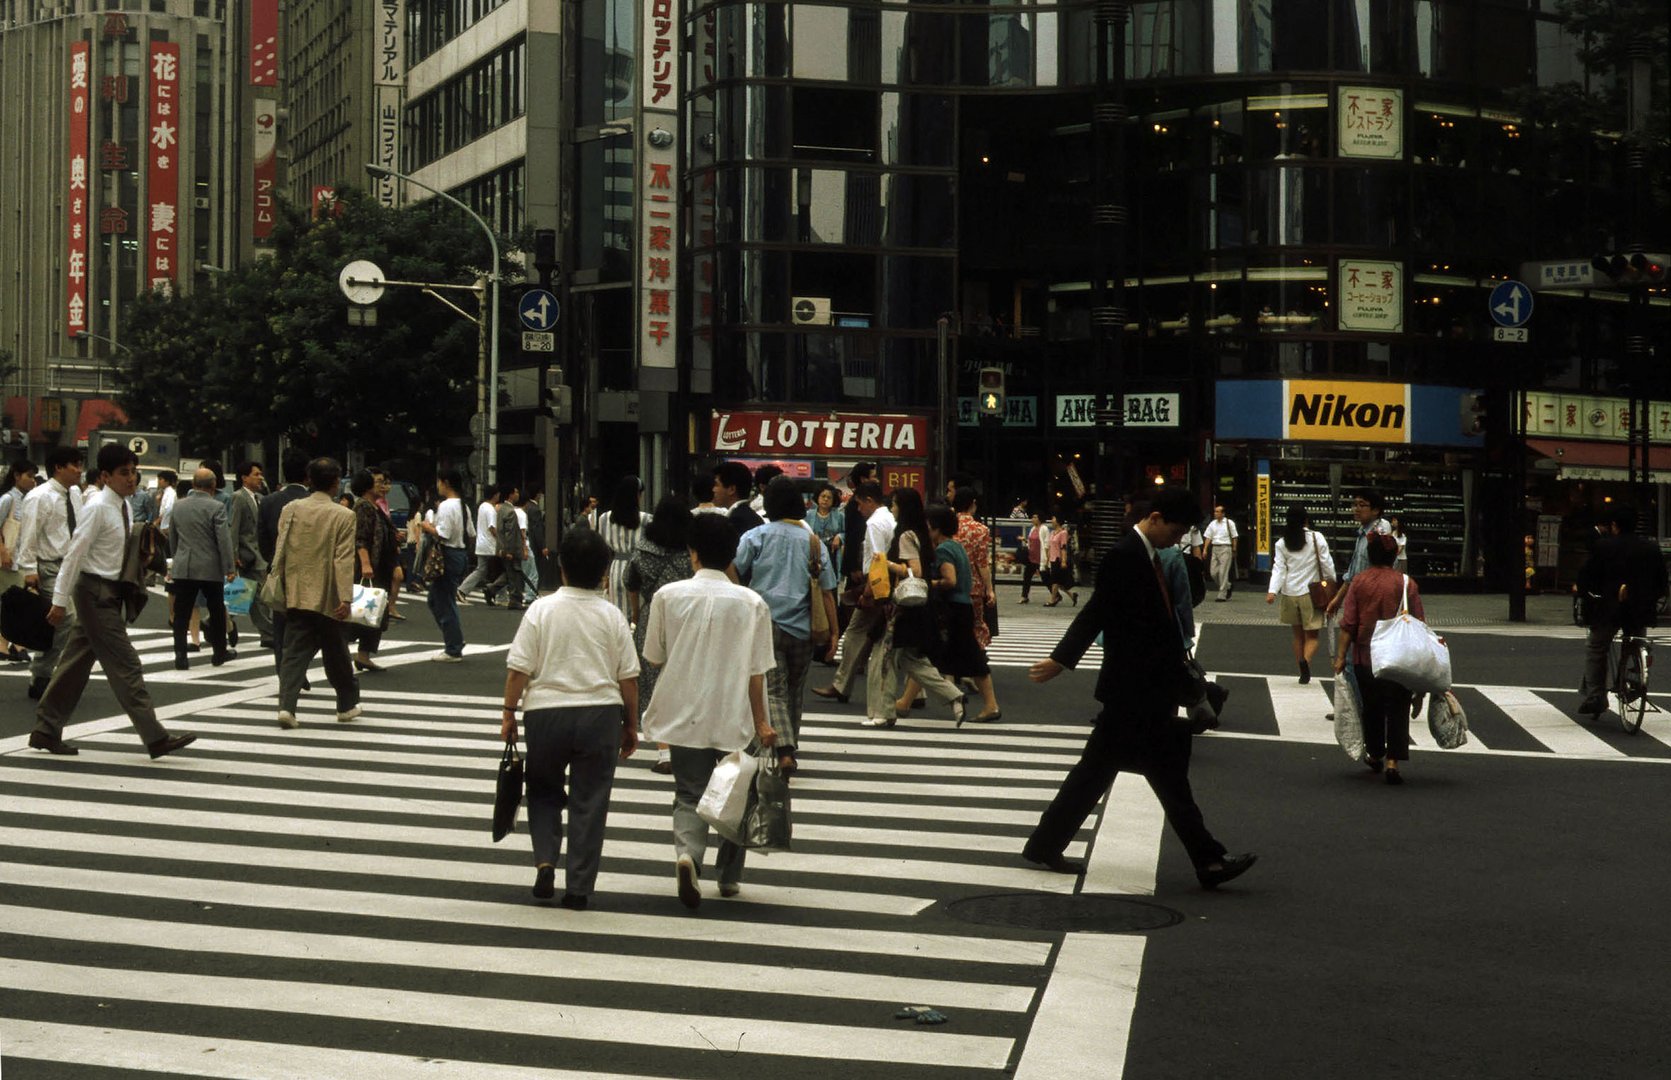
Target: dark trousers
(307, 633)
(99, 632)
(443, 604)
(1027, 576)
(1385, 717)
(214, 624)
(584, 743)
(1596, 645)
(1161, 755)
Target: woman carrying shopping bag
(1378, 593)
(910, 631)
(1300, 559)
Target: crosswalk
(317, 901)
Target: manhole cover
(1056, 911)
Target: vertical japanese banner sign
(1262, 516)
(263, 71)
(658, 193)
(162, 184)
(75, 313)
(263, 43)
(702, 196)
(391, 75)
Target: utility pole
(1109, 216)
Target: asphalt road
(326, 901)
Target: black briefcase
(508, 796)
(23, 618)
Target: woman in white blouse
(1300, 557)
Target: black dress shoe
(1053, 862)
(266, 644)
(545, 883)
(1217, 695)
(224, 658)
(168, 745)
(194, 648)
(40, 740)
(829, 693)
(920, 703)
(182, 664)
(37, 687)
(573, 902)
(1230, 867)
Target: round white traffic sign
(361, 281)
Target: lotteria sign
(824, 434)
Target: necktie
(1165, 593)
(69, 509)
(126, 530)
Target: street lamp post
(489, 390)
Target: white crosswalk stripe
(289, 903)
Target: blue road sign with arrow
(537, 309)
(1510, 304)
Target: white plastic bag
(1348, 726)
(725, 801)
(368, 605)
(912, 592)
(1446, 721)
(1405, 651)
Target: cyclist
(1627, 574)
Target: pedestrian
(142, 507)
(1299, 557)
(100, 576)
(1033, 550)
(732, 484)
(168, 482)
(1626, 574)
(780, 560)
(294, 468)
(827, 520)
(976, 540)
(953, 574)
(378, 557)
(489, 566)
(314, 564)
(869, 620)
(449, 530)
(507, 533)
(1139, 686)
(539, 549)
(1220, 538)
(15, 486)
(382, 484)
(1379, 592)
(911, 636)
(764, 475)
(713, 640)
(50, 511)
(1202, 712)
(1020, 511)
(1367, 506)
(702, 496)
(1060, 557)
(246, 544)
(620, 526)
(203, 564)
(853, 526)
(1395, 528)
(661, 556)
(573, 671)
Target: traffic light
(1473, 414)
(556, 400)
(992, 391)
(1626, 269)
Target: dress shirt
(45, 535)
(449, 523)
(1220, 533)
(165, 507)
(487, 517)
(711, 637)
(1292, 572)
(773, 560)
(101, 540)
(879, 535)
(576, 648)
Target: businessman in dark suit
(295, 469)
(1626, 572)
(1139, 687)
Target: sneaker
(444, 657)
(347, 715)
(690, 893)
(287, 719)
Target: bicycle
(1630, 661)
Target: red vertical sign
(162, 186)
(263, 43)
(75, 313)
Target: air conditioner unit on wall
(810, 311)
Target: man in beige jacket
(314, 563)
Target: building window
(480, 99)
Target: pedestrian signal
(1473, 414)
(992, 391)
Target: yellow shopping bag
(881, 584)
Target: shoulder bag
(820, 617)
(1404, 650)
(1322, 592)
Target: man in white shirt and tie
(1219, 539)
(99, 576)
(50, 516)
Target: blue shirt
(773, 561)
(827, 528)
(141, 507)
(1360, 550)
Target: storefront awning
(1583, 460)
(95, 413)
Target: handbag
(240, 595)
(912, 592)
(1584, 608)
(1404, 650)
(989, 612)
(153, 549)
(507, 796)
(1348, 725)
(1322, 591)
(725, 801)
(23, 618)
(820, 615)
(1446, 721)
(368, 605)
(766, 825)
(435, 564)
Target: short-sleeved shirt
(449, 523)
(576, 648)
(774, 560)
(487, 518)
(951, 551)
(710, 636)
(1220, 533)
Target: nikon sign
(1347, 411)
(1343, 411)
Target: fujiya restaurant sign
(1346, 411)
(1371, 122)
(769, 434)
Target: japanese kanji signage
(1371, 296)
(162, 184)
(79, 194)
(263, 42)
(658, 192)
(703, 202)
(1370, 122)
(659, 75)
(266, 168)
(1579, 416)
(391, 75)
(820, 434)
